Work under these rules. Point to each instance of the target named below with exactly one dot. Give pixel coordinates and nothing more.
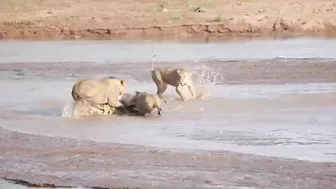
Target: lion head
(121, 83)
(185, 77)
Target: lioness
(99, 92)
(145, 103)
(177, 77)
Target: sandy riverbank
(132, 19)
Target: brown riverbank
(172, 19)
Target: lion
(145, 103)
(99, 92)
(176, 77)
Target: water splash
(67, 110)
(204, 75)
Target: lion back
(169, 75)
(90, 89)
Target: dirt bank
(63, 19)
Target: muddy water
(259, 103)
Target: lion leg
(192, 91)
(157, 105)
(94, 111)
(161, 88)
(92, 103)
(160, 85)
(117, 105)
(159, 109)
(99, 106)
(107, 110)
(179, 92)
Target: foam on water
(67, 110)
(204, 75)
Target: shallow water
(142, 51)
(293, 120)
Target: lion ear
(179, 71)
(137, 92)
(122, 82)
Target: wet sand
(268, 123)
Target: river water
(285, 119)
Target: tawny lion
(99, 92)
(177, 77)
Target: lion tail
(153, 60)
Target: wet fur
(176, 77)
(99, 92)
